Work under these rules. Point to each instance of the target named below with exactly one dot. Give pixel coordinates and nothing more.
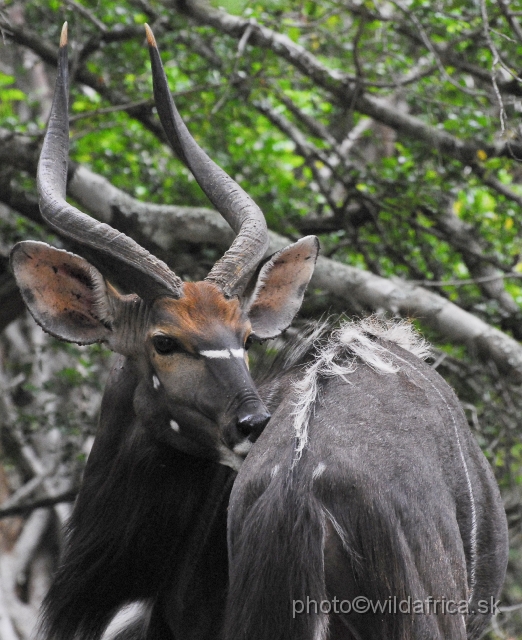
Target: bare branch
(307, 150)
(149, 102)
(87, 14)
(463, 237)
(118, 107)
(463, 282)
(239, 53)
(489, 179)
(496, 60)
(27, 543)
(315, 127)
(25, 490)
(43, 503)
(7, 630)
(511, 19)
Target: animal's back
(383, 495)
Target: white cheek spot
(237, 353)
(174, 426)
(219, 353)
(155, 382)
(318, 471)
(274, 471)
(242, 448)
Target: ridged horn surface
(232, 272)
(119, 257)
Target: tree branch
(165, 226)
(87, 14)
(343, 90)
(24, 509)
(462, 236)
(457, 233)
(511, 19)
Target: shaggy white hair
(348, 346)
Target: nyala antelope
(364, 483)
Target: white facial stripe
(174, 426)
(224, 353)
(155, 382)
(221, 353)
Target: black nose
(251, 423)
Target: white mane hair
(348, 346)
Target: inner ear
(280, 288)
(64, 293)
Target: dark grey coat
(390, 499)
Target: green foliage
(9, 95)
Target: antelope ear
(66, 296)
(280, 288)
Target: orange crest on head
(200, 313)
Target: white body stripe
(473, 509)
(174, 426)
(319, 470)
(339, 531)
(351, 341)
(156, 383)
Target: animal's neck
(275, 391)
(276, 376)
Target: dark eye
(166, 345)
(249, 342)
